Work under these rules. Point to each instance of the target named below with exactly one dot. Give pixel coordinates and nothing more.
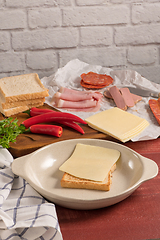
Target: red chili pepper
(72, 125)
(37, 111)
(46, 129)
(52, 117)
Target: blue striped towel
(24, 214)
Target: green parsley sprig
(9, 130)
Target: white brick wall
(43, 35)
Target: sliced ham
(88, 109)
(117, 97)
(75, 95)
(127, 97)
(66, 90)
(71, 104)
(97, 95)
(72, 95)
(74, 100)
(71, 91)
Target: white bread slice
(21, 103)
(15, 110)
(22, 87)
(69, 181)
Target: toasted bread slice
(69, 181)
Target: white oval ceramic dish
(41, 171)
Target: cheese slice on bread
(89, 167)
(69, 181)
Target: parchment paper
(69, 76)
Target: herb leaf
(9, 130)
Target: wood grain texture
(29, 142)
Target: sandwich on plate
(89, 167)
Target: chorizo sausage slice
(90, 86)
(155, 108)
(95, 79)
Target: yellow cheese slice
(90, 162)
(118, 123)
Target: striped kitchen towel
(24, 214)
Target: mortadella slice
(117, 97)
(136, 98)
(107, 94)
(127, 97)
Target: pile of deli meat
(90, 100)
(74, 100)
(83, 101)
(92, 80)
(122, 97)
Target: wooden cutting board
(29, 142)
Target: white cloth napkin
(24, 214)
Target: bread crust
(24, 97)
(15, 110)
(22, 103)
(69, 181)
(19, 93)
(17, 83)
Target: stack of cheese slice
(89, 167)
(19, 93)
(118, 123)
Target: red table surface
(135, 218)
